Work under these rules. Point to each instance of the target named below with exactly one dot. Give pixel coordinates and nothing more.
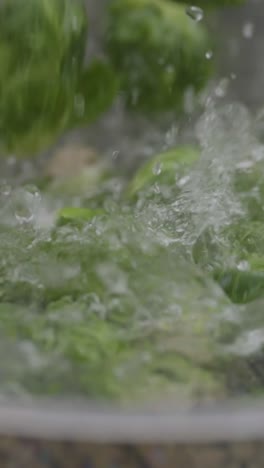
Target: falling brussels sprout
(158, 51)
(45, 87)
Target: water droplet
(23, 216)
(221, 89)
(209, 55)
(195, 13)
(248, 30)
(183, 181)
(24, 206)
(32, 190)
(157, 169)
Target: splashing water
(113, 306)
(207, 196)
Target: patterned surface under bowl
(54, 436)
(28, 453)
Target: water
(123, 304)
(209, 54)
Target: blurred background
(241, 51)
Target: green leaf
(241, 286)
(164, 168)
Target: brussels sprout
(158, 51)
(44, 85)
(95, 90)
(241, 286)
(249, 185)
(235, 258)
(165, 168)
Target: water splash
(82, 294)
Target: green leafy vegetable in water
(108, 302)
(164, 169)
(96, 302)
(45, 86)
(235, 256)
(158, 51)
(248, 183)
(76, 214)
(98, 294)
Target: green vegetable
(112, 309)
(45, 87)
(164, 169)
(158, 51)
(235, 258)
(96, 88)
(98, 296)
(249, 185)
(241, 286)
(77, 215)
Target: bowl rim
(68, 421)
